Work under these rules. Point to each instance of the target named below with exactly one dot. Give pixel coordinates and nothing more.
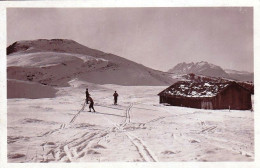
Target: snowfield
(45, 59)
(138, 129)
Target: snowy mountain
(211, 70)
(200, 68)
(56, 62)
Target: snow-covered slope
(55, 62)
(44, 59)
(138, 129)
(31, 90)
(200, 68)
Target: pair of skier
(91, 105)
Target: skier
(115, 98)
(87, 96)
(91, 105)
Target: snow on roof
(195, 89)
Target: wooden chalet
(207, 95)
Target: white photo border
(4, 5)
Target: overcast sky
(158, 38)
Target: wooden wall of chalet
(233, 97)
(182, 101)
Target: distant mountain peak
(208, 69)
(200, 68)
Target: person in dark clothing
(87, 95)
(115, 98)
(91, 105)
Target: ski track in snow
(73, 150)
(142, 149)
(145, 153)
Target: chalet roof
(195, 89)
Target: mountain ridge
(208, 69)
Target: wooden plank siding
(233, 97)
